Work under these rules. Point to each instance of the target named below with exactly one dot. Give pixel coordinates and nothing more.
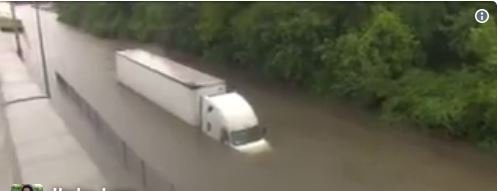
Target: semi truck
(199, 99)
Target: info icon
(26, 187)
(481, 16)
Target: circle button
(481, 16)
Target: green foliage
(480, 45)
(284, 38)
(255, 31)
(365, 63)
(145, 23)
(71, 12)
(17, 187)
(215, 30)
(427, 63)
(424, 21)
(458, 102)
(107, 19)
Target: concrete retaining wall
(46, 151)
(136, 166)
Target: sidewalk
(8, 171)
(46, 152)
(7, 160)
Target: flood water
(316, 145)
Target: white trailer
(199, 99)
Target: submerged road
(315, 145)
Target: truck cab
(231, 120)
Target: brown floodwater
(316, 144)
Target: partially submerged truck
(197, 98)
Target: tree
(363, 63)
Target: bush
(364, 63)
(457, 102)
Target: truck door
(209, 120)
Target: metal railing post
(42, 50)
(16, 31)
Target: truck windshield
(245, 136)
